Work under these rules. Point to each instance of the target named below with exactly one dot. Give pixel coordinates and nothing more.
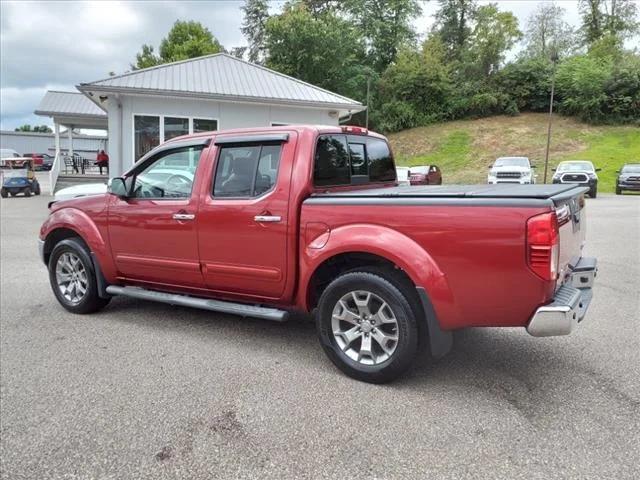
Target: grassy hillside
(465, 149)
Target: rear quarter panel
(479, 251)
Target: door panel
(243, 240)
(153, 235)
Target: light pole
(554, 59)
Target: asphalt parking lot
(144, 390)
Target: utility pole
(366, 115)
(554, 59)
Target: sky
(56, 45)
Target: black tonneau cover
(494, 194)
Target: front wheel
(27, 192)
(594, 192)
(618, 191)
(73, 278)
(4, 193)
(36, 189)
(367, 326)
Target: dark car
(41, 161)
(425, 175)
(628, 178)
(577, 171)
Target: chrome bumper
(570, 302)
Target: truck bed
(485, 194)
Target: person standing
(102, 161)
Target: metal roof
(224, 77)
(60, 104)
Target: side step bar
(243, 310)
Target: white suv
(511, 170)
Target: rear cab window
(342, 160)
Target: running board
(243, 310)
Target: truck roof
(327, 129)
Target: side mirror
(533, 166)
(117, 187)
(598, 169)
(617, 171)
(554, 169)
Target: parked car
(41, 161)
(17, 176)
(425, 175)
(628, 178)
(8, 153)
(275, 220)
(77, 191)
(577, 171)
(511, 170)
(402, 174)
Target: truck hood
(507, 168)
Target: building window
(146, 134)
(175, 127)
(204, 125)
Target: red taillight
(542, 245)
(356, 130)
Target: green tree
(614, 17)
(387, 26)
(186, 39)
(453, 24)
(324, 50)
(417, 88)
(36, 128)
(494, 34)
(256, 13)
(548, 34)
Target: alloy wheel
(71, 277)
(365, 327)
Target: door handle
(183, 216)
(267, 218)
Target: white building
(143, 108)
(36, 142)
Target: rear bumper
(569, 305)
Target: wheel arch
(356, 246)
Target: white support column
(56, 129)
(70, 133)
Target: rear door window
(247, 170)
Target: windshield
(575, 167)
(512, 162)
(631, 169)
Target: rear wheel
(4, 193)
(367, 327)
(73, 278)
(27, 192)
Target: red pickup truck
(260, 222)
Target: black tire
(36, 189)
(618, 191)
(398, 298)
(593, 193)
(3, 193)
(27, 192)
(90, 302)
